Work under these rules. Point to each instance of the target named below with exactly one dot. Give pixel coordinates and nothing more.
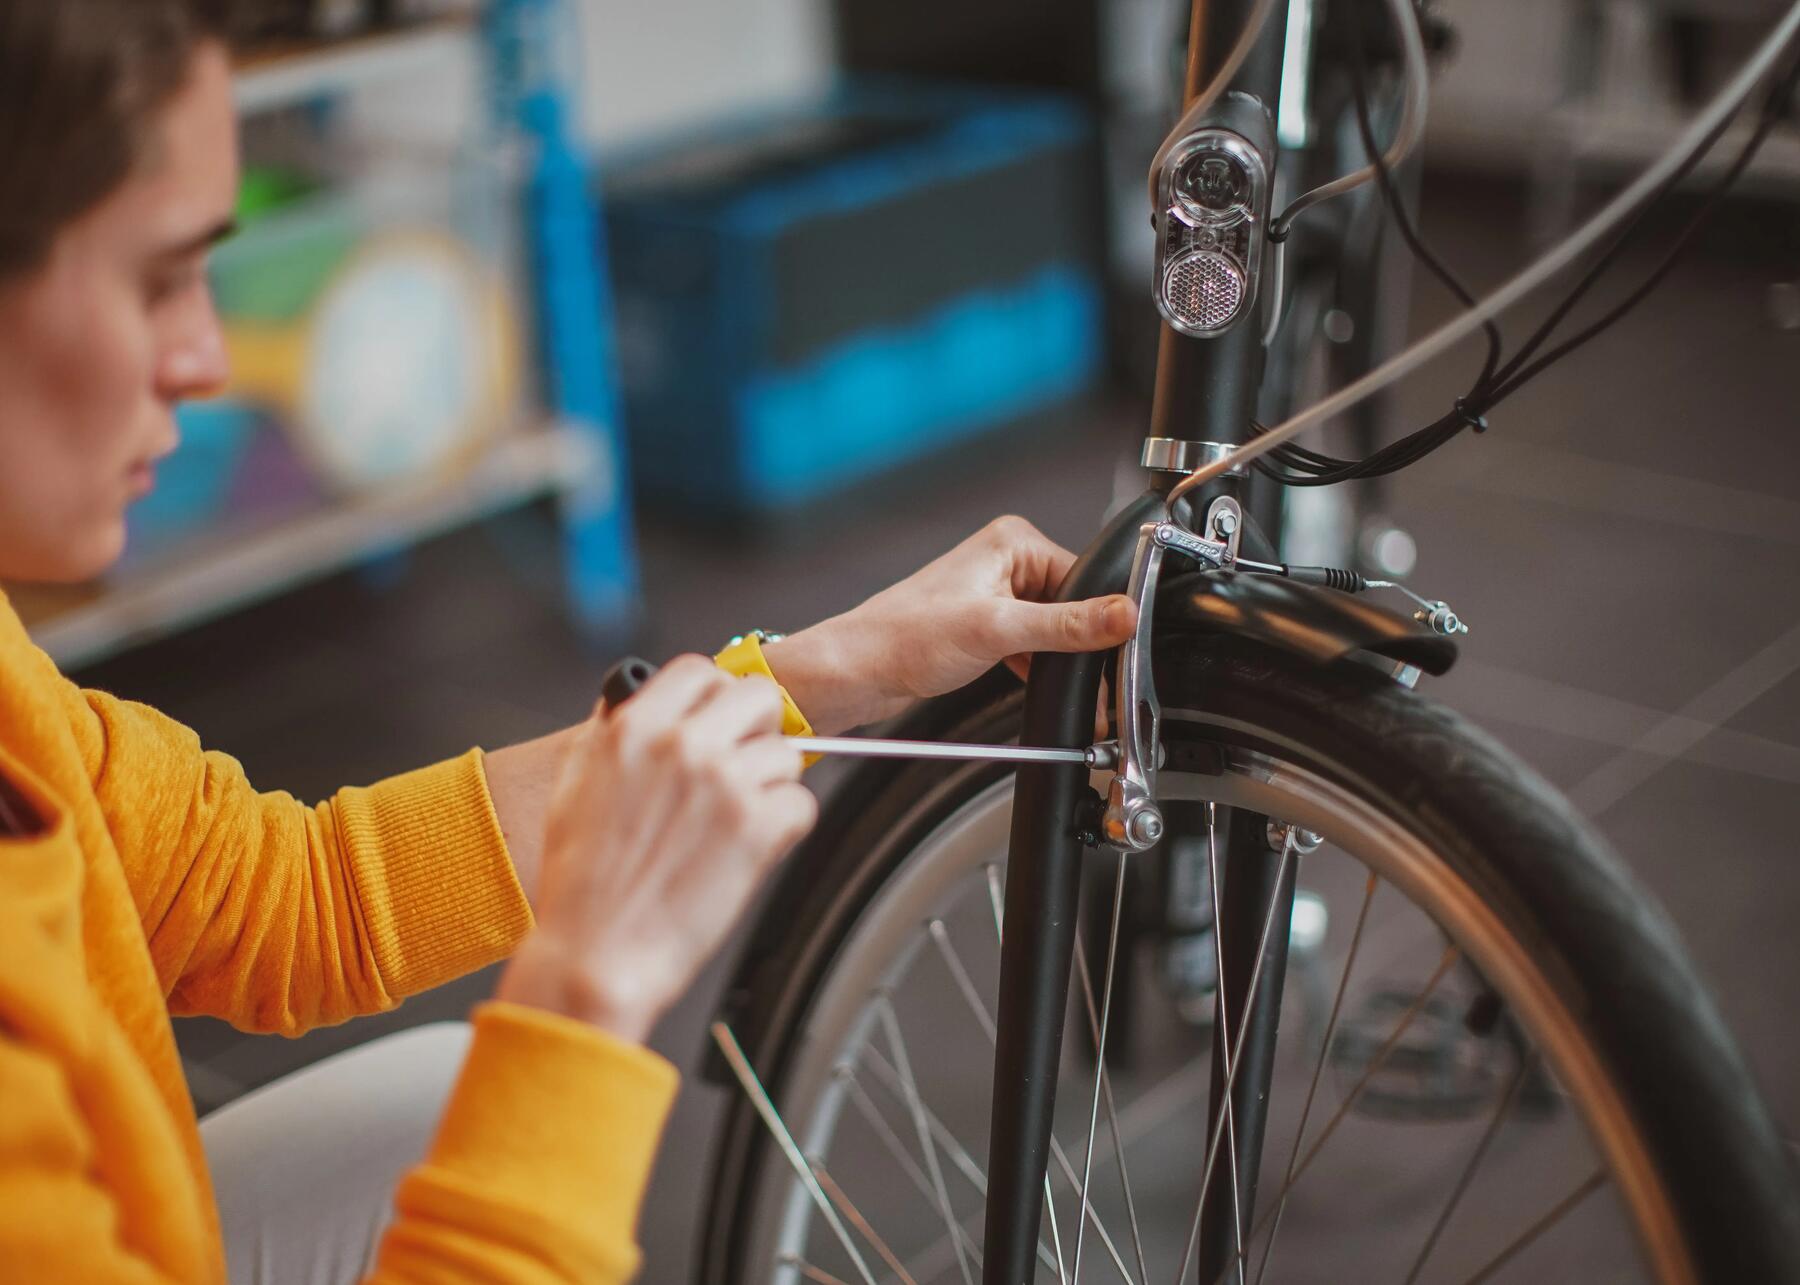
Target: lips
(141, 477)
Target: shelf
(285, 75)
(213, 575)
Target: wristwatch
(743, 656)
(762, 636)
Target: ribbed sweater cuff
(557, 1117)
(436, 884)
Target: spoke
(1062, 1274)
(1112, 1114)
(1227, 1046)
(940, 936)
(759, 1098)
(959, 1154)
(932, 1261)
(915, 1105)
(806, 1269)
(1087, 1213)
(1337, 1004)
(1106, 991)
(1159, 1103)
(1231, 1065)
(1450, 956)
(1557, 1213)
(1501, 1111)
(996, 898)
(1068, 1173)
(891, 1140)
(996, 901)
(850, 1211)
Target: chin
(98, 554)
(82, 556)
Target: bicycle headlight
(1212, 202)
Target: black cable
(1384, 178)
(1614, 248)
(1311, 468)
(1322, 469)
(1773, 110)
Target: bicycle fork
(1047, 849)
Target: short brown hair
(81, 85)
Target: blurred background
(567, 327)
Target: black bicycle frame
(1206, 389)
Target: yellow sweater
(158, 882)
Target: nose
(194, 363)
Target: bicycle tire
(1608, 954)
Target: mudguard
(1321, 625)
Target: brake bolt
(1279, 834)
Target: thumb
(1090, 625)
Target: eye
(173, 280)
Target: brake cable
(1693, 140)
(1310, 468)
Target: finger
(740, 708)
(790, 811)
(1020, 665)
(1089, 625)
(766, 761)
(727, 876)
(673, 691)
(1039, 563)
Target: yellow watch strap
(745, 657)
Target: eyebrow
(220, 231)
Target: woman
(141, 876)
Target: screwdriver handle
(623, 680)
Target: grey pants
(305, 1167)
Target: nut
(1146, 827)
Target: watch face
(405, 365)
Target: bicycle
(1266, 719)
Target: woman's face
(100, 342)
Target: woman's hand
(981, 603)
(667, 815)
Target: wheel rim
(843, 1022)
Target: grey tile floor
(1625, 542)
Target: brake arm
(1132, 820)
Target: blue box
(817, 297)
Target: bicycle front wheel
(1501, 1067)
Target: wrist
(546, 975)
(821, 672)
